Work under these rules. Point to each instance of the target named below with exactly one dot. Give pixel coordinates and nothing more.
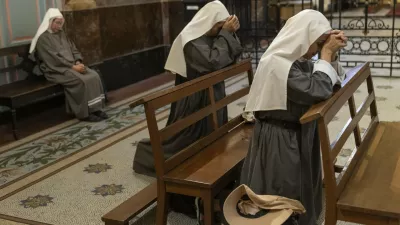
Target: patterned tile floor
(84, 192)
(103, 180)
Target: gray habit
(203, 55)
(284, 160)
(84, 92)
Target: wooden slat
(357, 133)
(347, 93)
(19, 49)
(122, 214)
(155, 140)
(200, 144)
(179, 125)
(232, 97)
(25, 87)
(192, 86)
(214, 110)
(176, 127)
(350, 126)
(329, 175)
(370, 87)
(250, 76)
(10, 68)
(201, 84)
(355, 77)
(354, 158)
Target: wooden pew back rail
(206, 166)
(367, 189)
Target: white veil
(202, 22)
(269, 88)
(51, 14)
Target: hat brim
(273, 217)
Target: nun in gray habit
(62, 63)
(284, 156)
(202, 47)
(208, 43)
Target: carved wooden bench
(367, 191)
(202, 169)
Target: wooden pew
(202, 169)
(367, 190)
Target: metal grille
(372, 29)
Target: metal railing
(373, 28)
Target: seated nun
(62, 63)
(284, 156)
(208, 43)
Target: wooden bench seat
(374, 186)
(214, 161)
(21, 93)
(367, 190)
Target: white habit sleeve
(325, 67)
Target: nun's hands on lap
(80, 68)
(232, 24)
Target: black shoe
(101, 114)
(92, 118)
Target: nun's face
(214, 31)
(316, 46)
(57, 24)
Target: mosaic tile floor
(84, 183)
(84, 192)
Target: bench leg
(208, 201)
(162, 204)
(14, 123)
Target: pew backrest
(325, 111)
(162, 98)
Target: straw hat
(244, 207)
